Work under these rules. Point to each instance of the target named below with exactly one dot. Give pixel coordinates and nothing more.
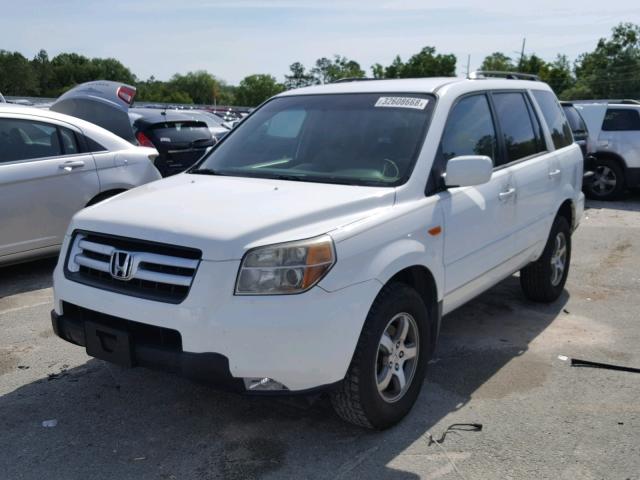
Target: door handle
(506, 194)
(554, 173)
(71, 164)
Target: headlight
(285, 268)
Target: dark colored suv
(580, 133)
(180, 140)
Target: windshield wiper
(205, 171)
(295, 178)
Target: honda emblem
(121, 265)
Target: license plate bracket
(108, 344)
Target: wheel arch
(613, 156)
(104, 195)
(421, 279)
(568, 211)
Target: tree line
(611, 70)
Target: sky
(235, 38)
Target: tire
(358, 399)
(541, 280)
(607, 181)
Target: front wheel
(544, 279)
(388, 366)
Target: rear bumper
(633, 177)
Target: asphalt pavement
(500, 363)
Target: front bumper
(205, 367)
(302, 341)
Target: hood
(225, 216)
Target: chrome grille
(156, 271)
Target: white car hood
(224, 216)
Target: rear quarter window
(621, 119)
(555, 118)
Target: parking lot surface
(497, 364)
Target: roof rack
(480, 74)
(353, 79)
(624, 101)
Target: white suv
(318, 245)
(616, 156)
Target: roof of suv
(414, 85)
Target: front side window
(26, 139)
(368, 139)
(469, 129)
(520, 138)
(555, 118)
(621, 119)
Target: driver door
(478, 220)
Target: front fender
(399, 241)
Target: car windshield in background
(358, 139)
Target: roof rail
(353, 79)
(479, 74)
(625, 101)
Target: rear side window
(469, 129)
(69, 141)
(518, 131)
(555, 118)
(620, 120)
(93, 146)
(26, 139)
(575, 120)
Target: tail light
(126, 94)
(144, 141)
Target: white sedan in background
(51, 166)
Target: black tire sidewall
(620, 182)
(560, 224)
(400, 298)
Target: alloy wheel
(397, 357)
(558, 259)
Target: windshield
(358, 139)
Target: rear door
(44, 179)
(479, 220)
(535, 167)
(621, 126)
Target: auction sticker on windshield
(402, 102)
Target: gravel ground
(497, 364)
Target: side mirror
(468, 170)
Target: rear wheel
(607, 181)
(544, 279)
(388, 366)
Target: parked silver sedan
(51, 166)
